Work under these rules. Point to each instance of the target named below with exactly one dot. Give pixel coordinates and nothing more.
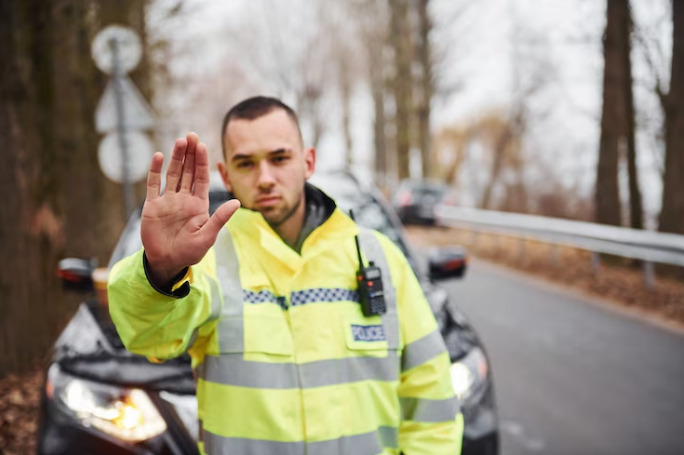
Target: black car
(415, 200)
(100, 399)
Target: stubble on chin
(277, 217)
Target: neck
(290, 229)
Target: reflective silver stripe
(230, 327)
(389, 436)
(215, 309)
(373, 251)
(422, 350)
(424, 410)
(215, 300)
(371, 443)
(358, 444)
(220, 445)
(232, 369)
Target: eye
(244, 164)
(280, 159)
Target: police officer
(265, 298)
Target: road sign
(124, 155)
(139, 156)
(128, 46)
(137, 114)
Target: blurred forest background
(373, 82)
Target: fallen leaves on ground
(19, 403)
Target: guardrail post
(595, 262)
(649, 275)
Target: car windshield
(369, 211)
(370, 214)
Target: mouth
(267, 201)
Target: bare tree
(613, 115)
(31, 234)
(425, 86)
(672, 212)
(61, 203)
(371, 18)
(450, 152)
(402, 82)
(265, 59)
(345, 82)
(636, 211)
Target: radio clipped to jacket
(369, 280)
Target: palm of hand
(171, 228)
(176, 228)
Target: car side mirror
(76, 273)
(447, 262)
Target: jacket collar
(325, 225)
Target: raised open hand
(176, 228)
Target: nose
(266, 178)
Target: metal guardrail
(647, 246)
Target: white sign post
(122, 111)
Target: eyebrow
(246, 156)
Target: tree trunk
(373, 25)
(346, 94)
(672, 212)
(60, 203)
(426, 88)
(636, 211)
(400, 38)
(612, 117)
(31, 232)
(379, 125)
(92, 204)
(501, 145)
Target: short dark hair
(253, 108)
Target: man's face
(266, 165)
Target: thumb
(220, 218)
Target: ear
(223, 170)
(310, 161)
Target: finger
(154, 176)
(188, 174)
(202, 171)
(220, 218)
(173, 173)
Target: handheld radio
(369, 280)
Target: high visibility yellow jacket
(286, 361)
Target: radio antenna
(356, 240)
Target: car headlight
(469, 373)
(127, 414)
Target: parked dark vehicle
(415, 201)
(100, 399)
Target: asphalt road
(572, 376)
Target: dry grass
(616, 280)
